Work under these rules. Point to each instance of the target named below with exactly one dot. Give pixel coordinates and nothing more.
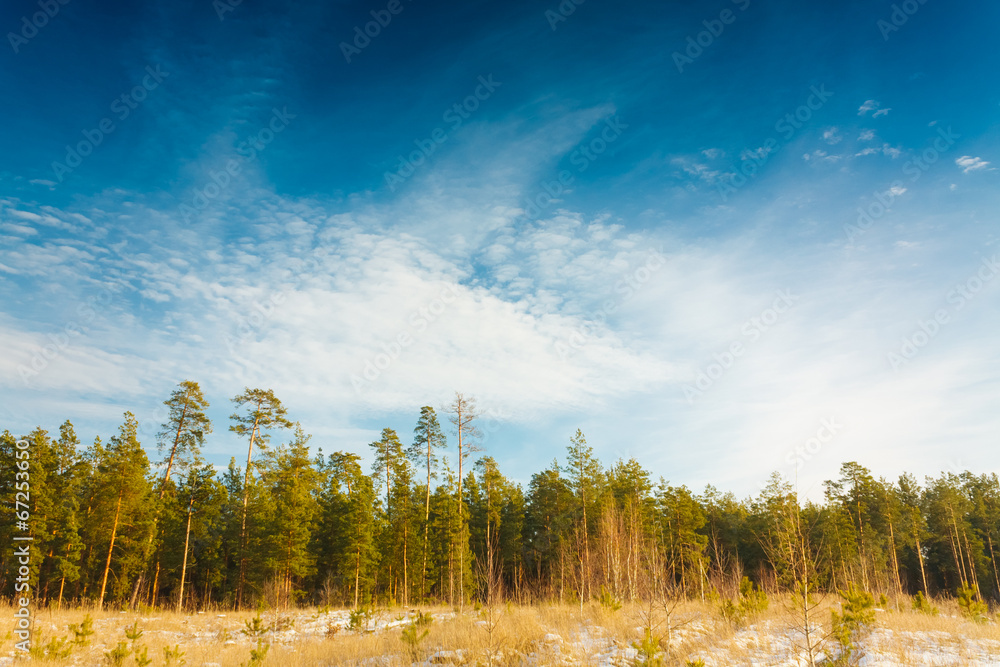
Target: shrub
(750, 604)
(255, 627)
(649, 650)
(412, 636)
(257, 655)
(361, 619)
(923, 605)
(973, 609)
(57, 648)
(857, 616)
(82, 632)
(173, 654)
(609, 601)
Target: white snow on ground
(766, 643)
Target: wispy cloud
(968, 163)
(873, 106)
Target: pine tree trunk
(154, 592)
(586, 531)
(895, 561)
(958, 542)
(184, 563)
(111, 548)
(243, 522)
(959, 563)
(461, 518)
(406, 571)
(427, 521)
(993, 559)
(357, 574)
(920, 559)
(286, 584)
(973, 575)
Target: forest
(434, 520)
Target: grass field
(503, 635)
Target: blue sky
(725, 238)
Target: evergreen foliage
(295, 526)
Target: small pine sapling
(853, 624)
(922, 604)
(83, 631)
(412, 635)
(975, 610)
(173, 656)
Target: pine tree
(293, 485)
(585, 477)
(463, 415)
(909, 496)
(67, 476)
(263, 411)
(200, 500)
(183, 434)
(401, 524)
(387, 451)
(122, 506)
(496, 525)
(681, 522)
(547, 525)
(347, 528)
(427, 437)
(179, 440)
(451, 565)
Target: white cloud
(18, 229)
(832, 136)
(867, 106)
(697, 169)
(885, 149)
(873, 106)
(969, 163)
(301, 298)
(866, 135)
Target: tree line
(428, 523)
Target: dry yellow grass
(545, 634)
